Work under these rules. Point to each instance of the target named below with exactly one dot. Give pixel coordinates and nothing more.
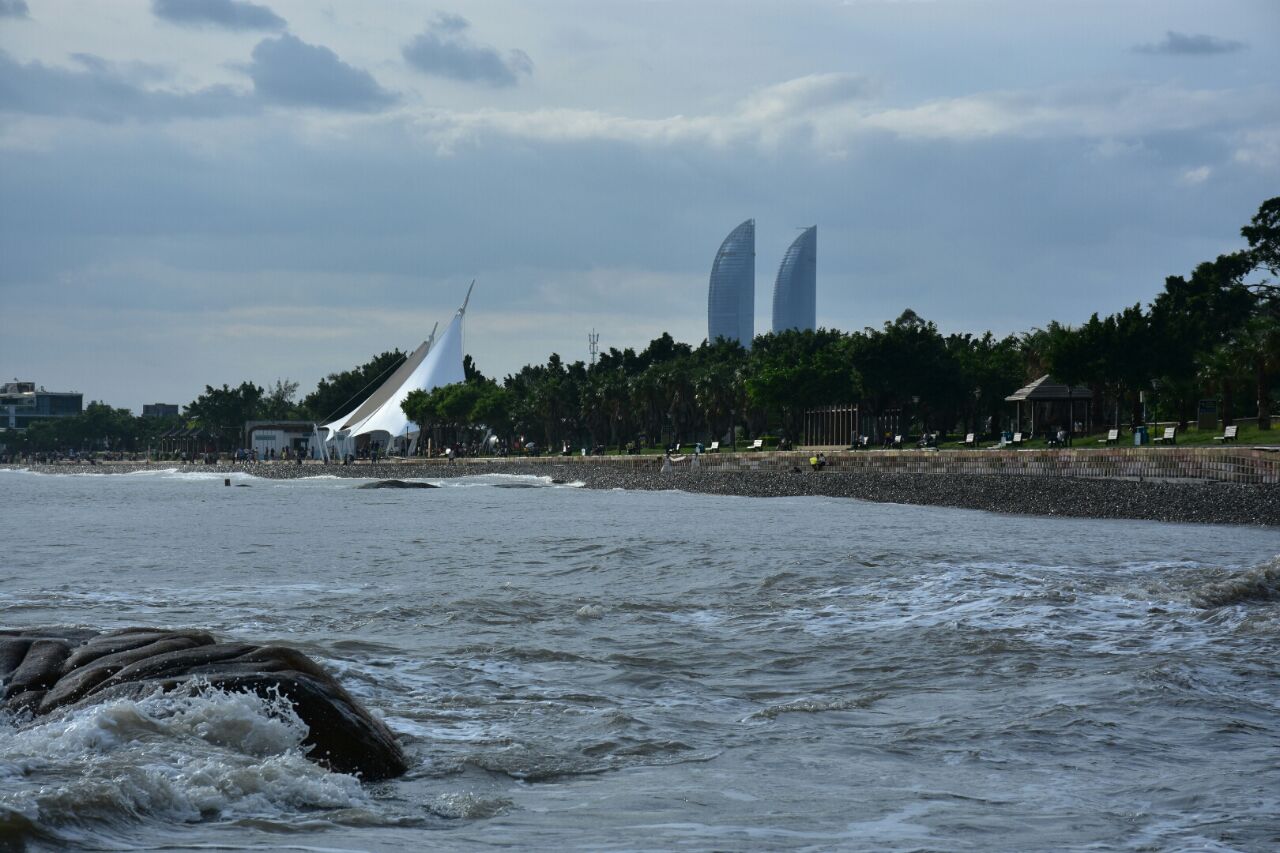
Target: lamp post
(977, 410)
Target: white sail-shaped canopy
(442, 366)
(385, 390)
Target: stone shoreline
(1182, 501)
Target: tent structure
(436, 362)
(385, 390)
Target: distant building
(159, 410)
(731, 297)
(278, 436)
(22, 404)
(796, 288)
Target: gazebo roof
(1045, 389)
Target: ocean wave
(817, 706)
(509, 481)
(1259, 584)
(467, 806)
(184, 758)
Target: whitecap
(176, 757)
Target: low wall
(1222, 464)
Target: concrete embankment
(1206, 485)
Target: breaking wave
(213, 755)
(1259, 584)
(817, 706)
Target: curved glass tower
(731, 298)
(795, 290)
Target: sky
(202, 192)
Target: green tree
(794, 370)
(339, 393)
(222, 412)
(278, 404)
(906, 365)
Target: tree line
(1214, 333)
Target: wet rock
(179, 662)
(12, 651)
(395, 484)
(44, 673)
(80, 679)
(110, 645)
(40, 667)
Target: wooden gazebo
(1046, 395)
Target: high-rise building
(795, 290)
(22, 404)
(731, 298)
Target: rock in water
(42, 670)
(396, 484)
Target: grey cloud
(450, 22)
(13, 9)
(102, 91)
(231, 14)
(115, 225)
(284, 70)
(444, 50)
(1187, 44)
(287, 70)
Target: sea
(572, 669)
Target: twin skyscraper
(731, 297)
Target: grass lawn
(1192, 437)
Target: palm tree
(1258, 345)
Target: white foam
(174, 757)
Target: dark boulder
(40, 668)
(80, 679)
(106, 645)
(396, 484)
(12, 651)
(42, 671)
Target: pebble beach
(1186, 502)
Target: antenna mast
(593, 343)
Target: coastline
(1181, 501)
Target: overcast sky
(206, 191)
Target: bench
(714, 448)
(1170, 436)
(1231, 433)
(1113, 437)
(758, 444)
